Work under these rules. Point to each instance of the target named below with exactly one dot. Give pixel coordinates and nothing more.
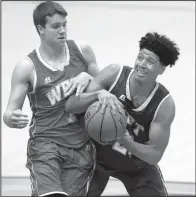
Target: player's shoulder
(25, 64)
(167, 109)
(163, 89)
(107, 75)
(24, 67)
(83, 46)
(86, 50)
(168, 102)
(167, 99)
(118, 69)
(114, 68)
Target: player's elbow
(155, 158)
(154, 161)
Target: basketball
(104, 128)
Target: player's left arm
(81, 81)
(159, 135)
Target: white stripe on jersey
(146, 102)
(48, 65)
(34, 77)
(165, 190)
(78, 45)
(55, 192)
(117, 78)
(158, 107)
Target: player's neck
(56, 57)
(138, 88)
(53, 53)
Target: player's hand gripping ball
(105, 128)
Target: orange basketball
(104, 128)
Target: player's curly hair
(162, 46)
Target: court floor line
(20, 186)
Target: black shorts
(147, 182)
(55, 169)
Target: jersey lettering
(65, 86)
(130, 120)
(55, 94)
(118, 147)
(132, 126)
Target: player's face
(55, 30)
(147, 66)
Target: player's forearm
(145, 152)
(79, 104)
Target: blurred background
(113, 30)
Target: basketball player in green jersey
(60, 155)
(150, 112)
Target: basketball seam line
(92, 115)
(91, 118)
(114, 122)
(102, 124)
(123, 115)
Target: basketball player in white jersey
(60, 155)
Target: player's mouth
(141, 72)
(62, 38)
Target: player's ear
(162, 69)
(40, 29)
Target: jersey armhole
(158, 107)
(79, 48)
(117, 78)
(34, 77)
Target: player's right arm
(82, 80)
(96, 91)
(21, 78)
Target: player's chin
(141, 78)
(21, 126)
(62, 41)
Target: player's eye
(151, 61)
(140, 57)
(56, 26)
